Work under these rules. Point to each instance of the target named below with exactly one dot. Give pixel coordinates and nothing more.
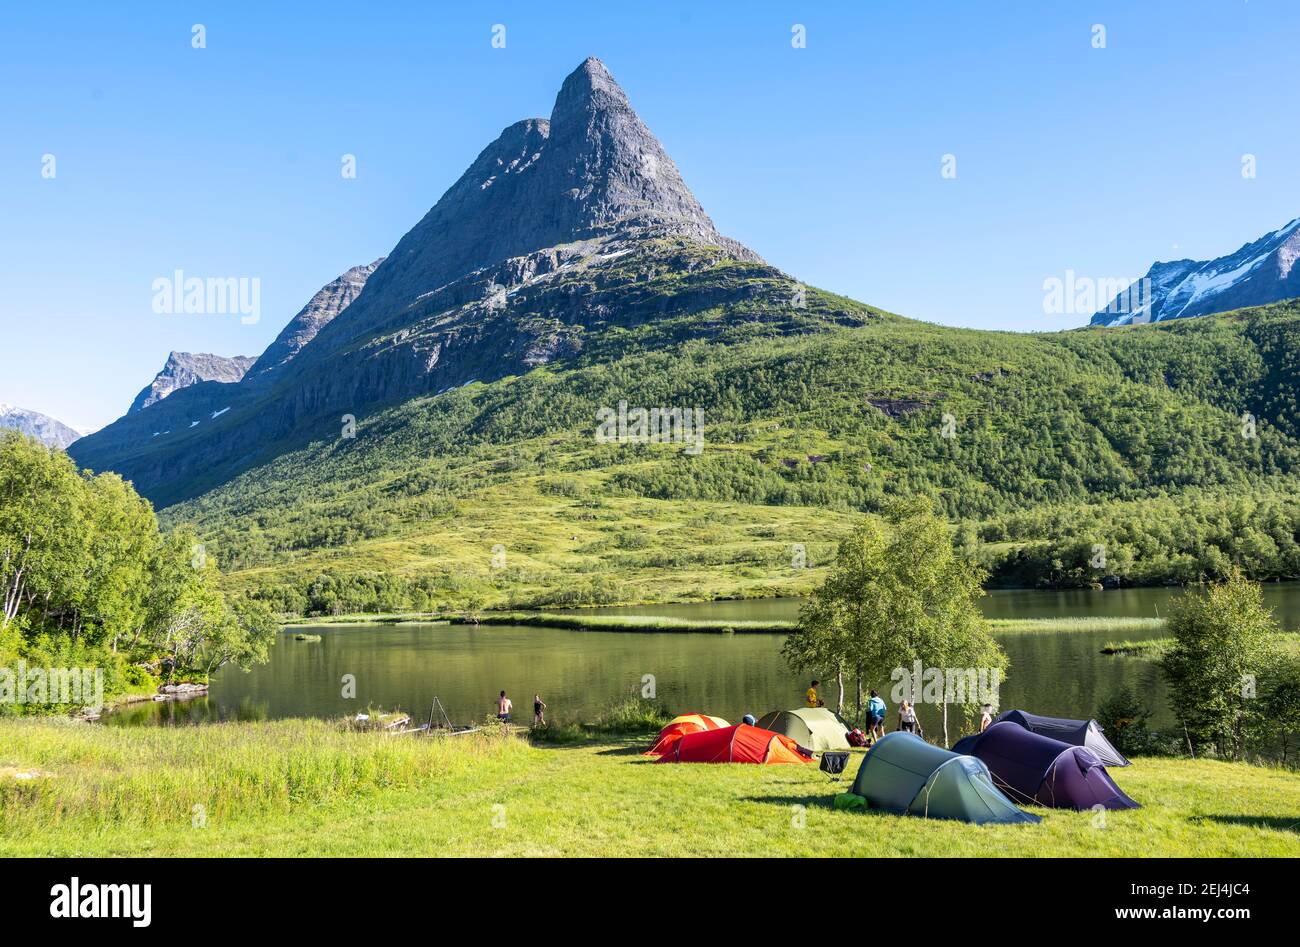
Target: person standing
(876, 711)
(811, 696)
(504, 706)
(907, 718)
(539, 707)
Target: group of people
(505, 707)
(876, 711)
(908, 721)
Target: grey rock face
(1260, 272)
(592, 170)
(34, 424)
(187, 368)
(333, 298)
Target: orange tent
(739, 744)
(681, 725)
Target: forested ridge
(1170, 449)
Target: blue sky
(225, 161)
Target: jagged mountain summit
(40, 426)
(568, 237)
(206, 387)
(1260, 272)
(329, 301)
(183, 369)
(545, 195)
(592, 170)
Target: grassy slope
(296, 788)
(1064, 421)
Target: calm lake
(579, 673)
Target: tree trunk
(945, 723)
(1190, 750)
(839, 707)
(859, 677)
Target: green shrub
(1123, 717)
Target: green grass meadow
(308, 788)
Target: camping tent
(680, 725)
(1030, 767)
(813, 727)
(903, 774)
(1074, 732)
(738, 744)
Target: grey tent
(1074, 732)
(813, 727)
(907, 776)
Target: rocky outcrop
(188, 368)
(329, 301)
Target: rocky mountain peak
(1263, 271)
(590, 96)
(559, 230)
(606, 163)
(594, 169)
(329, 301)
(183, 369)
(44, 428)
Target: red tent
(682, 724)
(738, 744)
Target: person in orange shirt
(811, 696)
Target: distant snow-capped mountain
(40, 426)
(1260, 272)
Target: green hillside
(1040, 448)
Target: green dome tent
(814, 728)
(907, 776)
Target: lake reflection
(579, 673)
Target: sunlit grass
(1081, 623)
(297, 788)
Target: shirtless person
(504, 706)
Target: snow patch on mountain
(1260, 272)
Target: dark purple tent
(1075, 732)
(1030, 767)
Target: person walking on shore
(539, 707)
